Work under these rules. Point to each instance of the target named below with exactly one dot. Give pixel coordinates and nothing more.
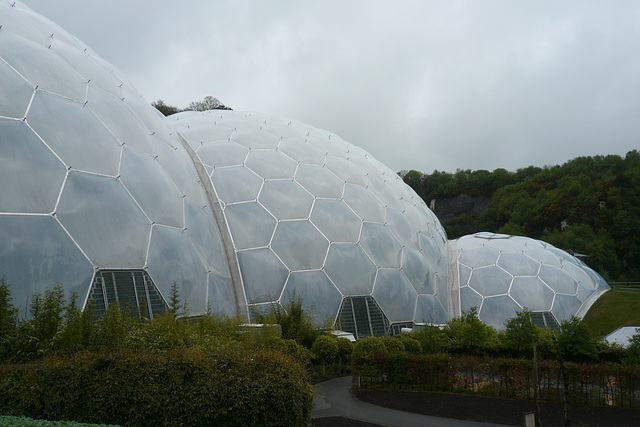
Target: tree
(295, 321)
(165, 109)
(8, 313)
(8, 320)
(520, 332)
(469, 331)
(325, 348)
(207, 103)
(175, 304)
(345, 348)
(575, 340)
(633, 351)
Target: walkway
(333, 398)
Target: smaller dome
(501, 274)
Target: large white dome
(313, 215)
(97, 193)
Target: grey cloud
(421, 85)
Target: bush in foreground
(231, 387)
(6, 421)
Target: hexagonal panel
(17, 93)
(543, 256)
(152, 188)
(282, 131)
(172, 258)
(418, 271)
(558, 280)
(205, 236)
(286, 200)
(255, 138)
(350, 269)
(469, 298)
(327, 146)
(490, 281)
(579, 275)
(395, 295)
(299, 245)
(584, 293)
(345, 170)
(120, 120)
(563, 255)
(36, 253)
(384, 193)
(379, 243)
(222, 153)
(531, 293)
(324, 216)
(30, 173)
(271, 164)
(464, 274)
(69, 128)
(496, 311)
(250, 224)
(319, 297)
(104, 220)
(402, 229)
(431, 251)
(302, 152)
(236, 184)
(319, 181)
(363, 203)
(220, 295)
(177, 163)
(429, 310)
(518, 264)
(263, 275)
(367, 167)
(42, 67)
(504, 245)
(479, 257)
(564, 306)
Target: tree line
(205, 104)
(589, 205)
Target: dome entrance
(131, 289)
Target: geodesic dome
(104, 195)
(315, 216)
(501, 274)
(97, 193)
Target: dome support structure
(239, 296)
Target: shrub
(363, 354)
(345, 348)
(411, 345)
(325, 348)
(231, 387)
(392, 345)
(575, 340)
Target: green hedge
(589, 383)
(6, 421)
(231, 387)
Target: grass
(612, 311)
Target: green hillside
(612, 311)
(597, 197)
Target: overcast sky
(421, 85)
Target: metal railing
(630, 287)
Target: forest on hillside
(589, 205)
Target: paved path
(333, 398)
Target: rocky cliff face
(462, 204)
